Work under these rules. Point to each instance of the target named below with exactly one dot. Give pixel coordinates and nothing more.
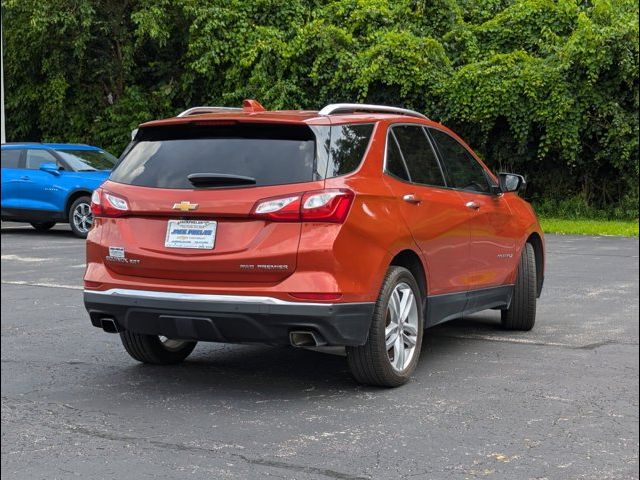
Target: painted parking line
(25, 259)
(42, 284)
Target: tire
(151, 349)
(43, 226)
(80, 226)
(521, 314)
(371, 363)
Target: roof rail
(364, 107)
(204, 109)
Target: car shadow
(28, 230)
(233, 371)
(485, 322)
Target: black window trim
(404, 163)
(444, 164)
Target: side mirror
(511, 182)
(51, 168)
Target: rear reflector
(317, 296)
(330, 205)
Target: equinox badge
(185, 206)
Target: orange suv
(356, 226)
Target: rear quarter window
(10, 158)
(348, 145)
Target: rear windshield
(270, 154)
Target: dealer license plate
(191, 234)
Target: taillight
(96, 207)
(326, 205)
(279, 209)
(331, 205)
(106, 204)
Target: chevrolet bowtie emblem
(185, 206)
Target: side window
(35, 158)
(394, 163)
(418, 155)
(348, 146)
(463, 170)
(11, 158)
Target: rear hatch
(172, 176)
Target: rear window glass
(348, 146)
(10, 158)
(164, 157)
(270, 154)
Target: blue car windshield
(88, 160)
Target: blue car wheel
(80, 218)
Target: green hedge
(540, 87)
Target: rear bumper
(228, 318)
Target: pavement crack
(299, 468)
(604, 343)
(193, 448)
(524, 341)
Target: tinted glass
(35, 158)
(88, 160)
(395, 164)
(271, 154)
(418, 155)
(463, 170)
(10, 158)
(348, 146)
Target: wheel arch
(538, 248)
(410, 260)
(72, 198)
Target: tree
(547, 88)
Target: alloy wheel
(82, 217)
(401, 331)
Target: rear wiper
(219, 180)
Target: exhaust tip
(304, 339)
(109, 325)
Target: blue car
(47, 183)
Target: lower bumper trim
(229, 319)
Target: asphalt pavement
(559, 402)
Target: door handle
(411, 198)
(472, 205)
(25, 177)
